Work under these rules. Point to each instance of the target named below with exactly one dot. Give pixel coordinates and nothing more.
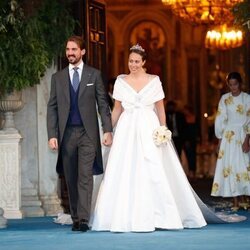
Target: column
(48, 179)
(26, 123)
(10, 174)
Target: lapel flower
(161, 135)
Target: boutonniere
(161, 135)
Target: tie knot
(75, 69)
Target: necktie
(75, 81)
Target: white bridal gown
(144, 186)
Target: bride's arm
(117, 110)
(159, 105)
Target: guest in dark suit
(72, 125)
(190, 140)
(176, 122)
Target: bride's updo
(138, 50)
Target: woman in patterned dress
(232, 128)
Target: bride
(144, 186)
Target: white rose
(161, 135)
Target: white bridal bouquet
(161, 135)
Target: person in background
(232, 128)
(190, 140)
(176, 122)
(111, 100)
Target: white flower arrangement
(161, 135)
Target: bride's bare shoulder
(151, 76)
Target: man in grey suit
(72, 124)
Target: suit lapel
(84, 79)
(65, 81)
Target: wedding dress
(144, 185)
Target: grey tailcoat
(91, 93)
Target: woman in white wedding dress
(144, 186)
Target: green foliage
(241, 14)
(28, 44)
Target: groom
(72, 125)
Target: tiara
(137, 47)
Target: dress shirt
(79, 70)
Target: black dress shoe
(76, 226)
(83, 226)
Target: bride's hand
(107, 139)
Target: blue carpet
(42, 233)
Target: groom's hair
(78, 40)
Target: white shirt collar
(80, 66)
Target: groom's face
(74, 53)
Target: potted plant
(29, 41)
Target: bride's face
(135, 62)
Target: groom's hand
(53, 143)
(107, 139)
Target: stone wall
(30, 165)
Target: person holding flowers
(144, 186)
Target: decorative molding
(10, 179)
(51, 205)
(31, 204)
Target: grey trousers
(78, 155)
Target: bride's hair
(138, 50)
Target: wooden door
(96, 35)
